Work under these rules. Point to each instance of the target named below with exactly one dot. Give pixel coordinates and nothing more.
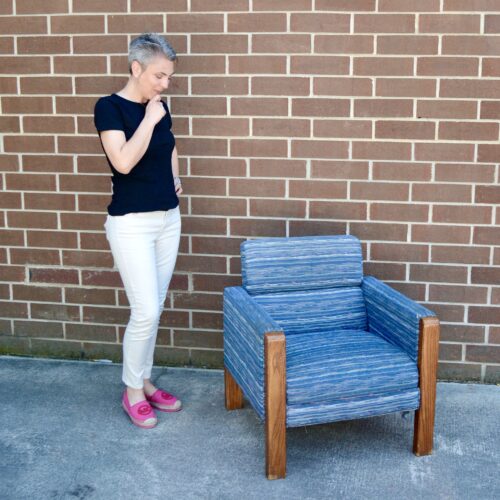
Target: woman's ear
(136, 68)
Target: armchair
(308, 340)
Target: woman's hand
(155, 110)
(178, 185)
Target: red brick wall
(293, 117)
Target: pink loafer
(141, 413)
(164, 401)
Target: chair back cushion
(301, 263)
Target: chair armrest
(393, 316)
(245, 323)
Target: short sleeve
(107, 116)
(167, 117)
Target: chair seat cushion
(344, 364)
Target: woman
(143, 224)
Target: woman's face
(155, 77)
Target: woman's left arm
(175, 171)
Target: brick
(203, 147)
(200, 338)
(8, 85)
(320, 107)
(97, 44)
(320, 22)
(342, 128)
(195, 23)
(79, 64)
(79, 331)
(13, 273)
(48, 275)
(52, 239)
(484, 45)
(319, 149)
(405, 87)
(491, 66)
(136, 23)
(98, 6)
(198, 106)
(460, 254)
(17, 25)
(460, 294)
(287, 5)
(464, 173)
(46, 163)
(489, 89)
(277, 168)
(27, 105)
(342, 86)
(6, 7)
(461, 333)
(257, 65)
(101, 278)
(390, 66)
(227, 127)
(30, 182)
(397, 171)
(219, 5)
(41, 7)
(37, 293)
(75, 105)
(46, 329)
(487, 194)
(256, 188)
(77, 24)
(286, 44)
(253, 22)
(441, 192)
(216, 245)
(257, 227)
(383, 108)
(78, 144)
(281, 127)
(201, 65)
(11, 200)
(216, 206)
(253, 106)
(434, 273)
(398, 252)
(492, 24)
(10, 237)
(258, 148)
(399, 212)
(408, 6)
(444, 152)
(28, 143)
(467, 131)
(278, 208)
(459, 371)
(384, 23)
(218, 166)
(316, 227)
(46, 85)
(339, 169)
(14, 309)
(452, 352)
(204, 225)
(88, 203)
(9, 163)
(24, 65)
(158, 5)
(219, 44)
(195, 263)
(343, 44)
(264, 85)
(219, 85)
(447, 66)
(486, 353)
(371, 150)
(9, 124)
(469, 215)
(43, 45)
(87, 259)
(399, 129)
(192, 300)
(319, 65)
(337, 210)
(6, 45)
(485, 275)
(379, 191)
(440, 233)
(488, 152)
(438, 108)
(347, 5)
(464, 5)
(48, 124)
(449, 23)
(81, 221)
(318, 189)
(97, 85)
(407, 44)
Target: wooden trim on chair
(275, 404)
(428, 347)
(233, 392)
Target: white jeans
(144, 247)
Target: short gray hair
(149, 45)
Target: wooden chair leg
(233, 392)
(275, 404)
(427, 367)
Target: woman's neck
(131, 93)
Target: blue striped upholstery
(393, 316)
(351, 342)
(300, 263)
(316, 310)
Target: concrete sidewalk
(63, 435)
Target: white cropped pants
(144, 247)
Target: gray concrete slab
(63, 435)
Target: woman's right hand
(155, 110)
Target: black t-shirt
(149, 185)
